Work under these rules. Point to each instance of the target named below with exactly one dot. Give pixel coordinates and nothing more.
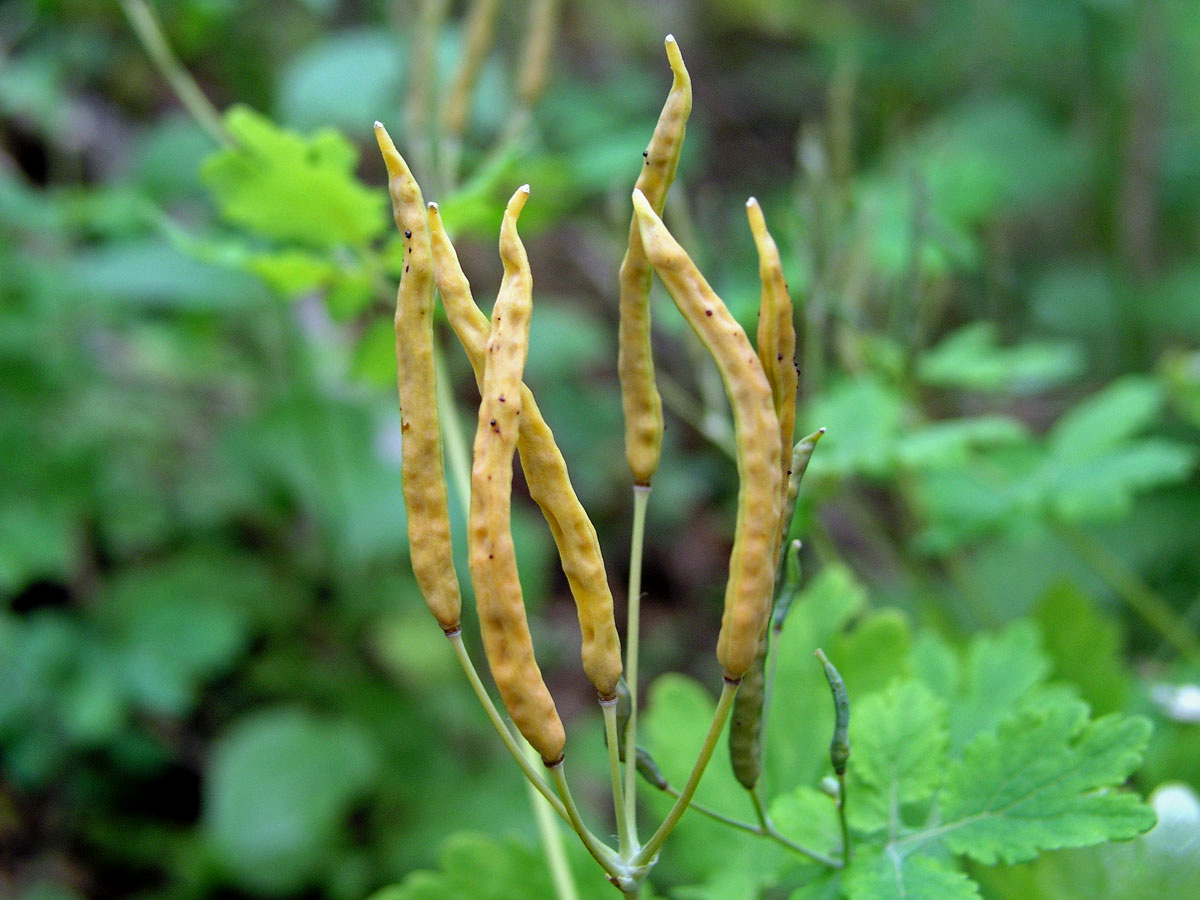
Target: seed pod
(745, 722)
(423, 480)
(776, 335)
(535, 58)
(492, 558)
(640, 400)
(649, 770)
(545, 473)
(791, 586)
(839, 747)
(801, 454)
(481, 24)
(752, 561)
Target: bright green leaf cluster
(289, 188)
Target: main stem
(720, 715)
(641, 497)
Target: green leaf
(1162, 863)
(886, 875)
(808, 817)
(952, 442)
(1084, 645)
(1119, 411)
(290, 188)
(971, 358)
(483, 868)
(1036, 784)
(864, 418)
(279, 787)
(1000, 672)
(312, 90)
(897, 752)
(178, 622)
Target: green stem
(641, 498)
(457, 455)
(552, 842)
(841, 807)
(149, 31)
(456, 451)
(760, 810)
(493, 715)
(720, 715)
(766, 830)
(609, 708)
(1135, 593)
(600, 851)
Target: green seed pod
(801, 454)
(839, 747)
(649, 770)
(745, 722)
(791, 587)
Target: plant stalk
(641, 498)
(720, 716)
(149, 31)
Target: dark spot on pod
(779, 357)
(406, 268)
(789, 473)
(407, 233)
(708, 312)
(410, 249)
(490, 556)
(501, 399)
(493, 422)
(646, 153)
(404, 427)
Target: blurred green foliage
(216, 675)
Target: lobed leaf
(1036, 784)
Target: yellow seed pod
(492, 558)
(752, 562)
(423, 480)
(640, 400)
(547, 477)
(776, 340)
(480, 26)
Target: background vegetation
(216, 676)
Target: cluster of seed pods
(760, 384)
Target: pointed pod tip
(751, 203)
(524, 188)
(433, 207)
(670, 39)
(378, 124)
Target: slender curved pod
(423, 478)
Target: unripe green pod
(422, 477)
(640, 399)
(745, 722)
(839, 746)
(791, 586)
(649, 770)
